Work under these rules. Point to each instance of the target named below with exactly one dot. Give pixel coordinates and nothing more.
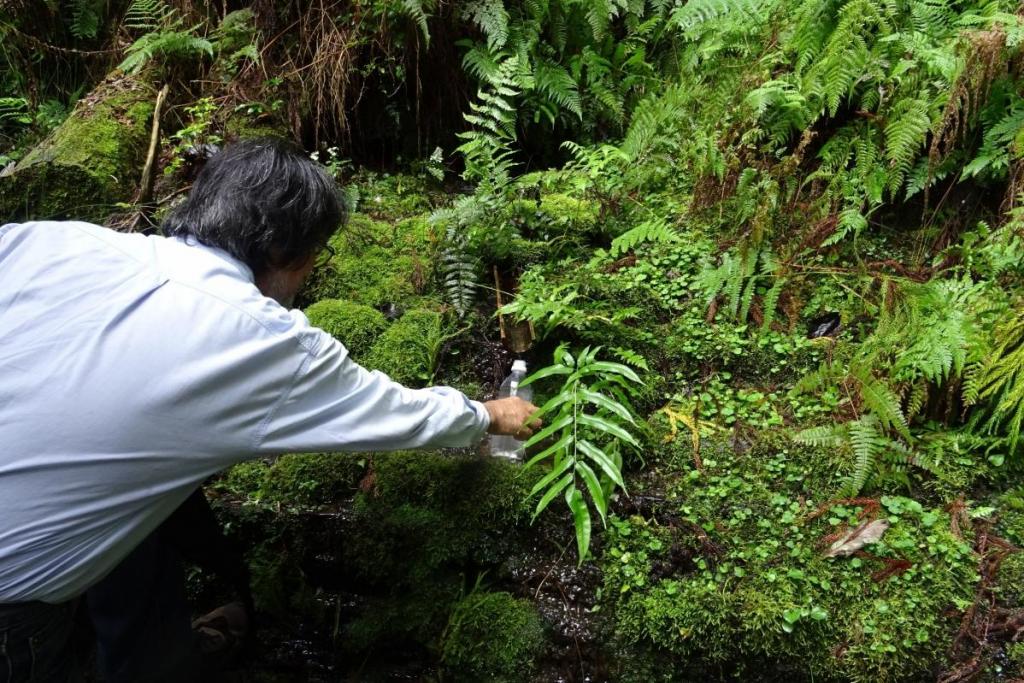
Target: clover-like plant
(588, 425)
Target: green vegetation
(492, 637)
(792, 228)
(736, 572)
(408, 351)
(88, 163)
(296, 480)
(356, 326)
(588, 421)
(377, 263)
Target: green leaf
(546, 372)
(588, 356)
(554, 448)
(602, 401)
(552, 403)
(594, 486)
(555, 426)
(603, 367)
(551, 476)
(552, 492)
(581, 519)
(603, 461)
(607, 427)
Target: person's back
(133, 367)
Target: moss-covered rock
(307, 480)
(395, 196)
(406, 620)
(424, 523)
(427, 512)
(492, 637)
(407, 352)
(378, 263)
(570, 214)
(355, 325)
(91, 161)
(1010, 581)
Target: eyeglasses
(326, 254)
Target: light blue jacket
(133, 367)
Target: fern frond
(999, 380)
(166, 45)
(882, 402)
(14, 110)
(85, 18)
(771, 302)
(694, 14)
(917, 398)
(905, 135)
(654, 230)
(147, 15)
(631, 357)
(483, 65)
(555, 83)
(491, 18)
(828, 436)
(416, 10)
(599, 16)
(867, 442)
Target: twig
(146, 186)
(551, 570)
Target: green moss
(492, 637)
(403, 620)
(428, 513)
(241, 126)
(738, 578)
(277, 583)
(246, 479)
(407, 352)
(1010, 581)
(571, 214)
(377, 263)
(1015, 659)
(393, 196)
(92, 160)
(355, 325)
(425, 523)
(304, 480)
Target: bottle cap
(519, 366)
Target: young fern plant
(589, 421)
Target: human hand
(509, 416)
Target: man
(133, 367)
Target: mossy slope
(91, 161)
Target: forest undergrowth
(771, 256)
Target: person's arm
(334, 404)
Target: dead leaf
(865, 534)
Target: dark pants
(139, 611)
(35, 643)
(142, 619)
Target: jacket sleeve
(334, 404)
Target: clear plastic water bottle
(503, 446)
